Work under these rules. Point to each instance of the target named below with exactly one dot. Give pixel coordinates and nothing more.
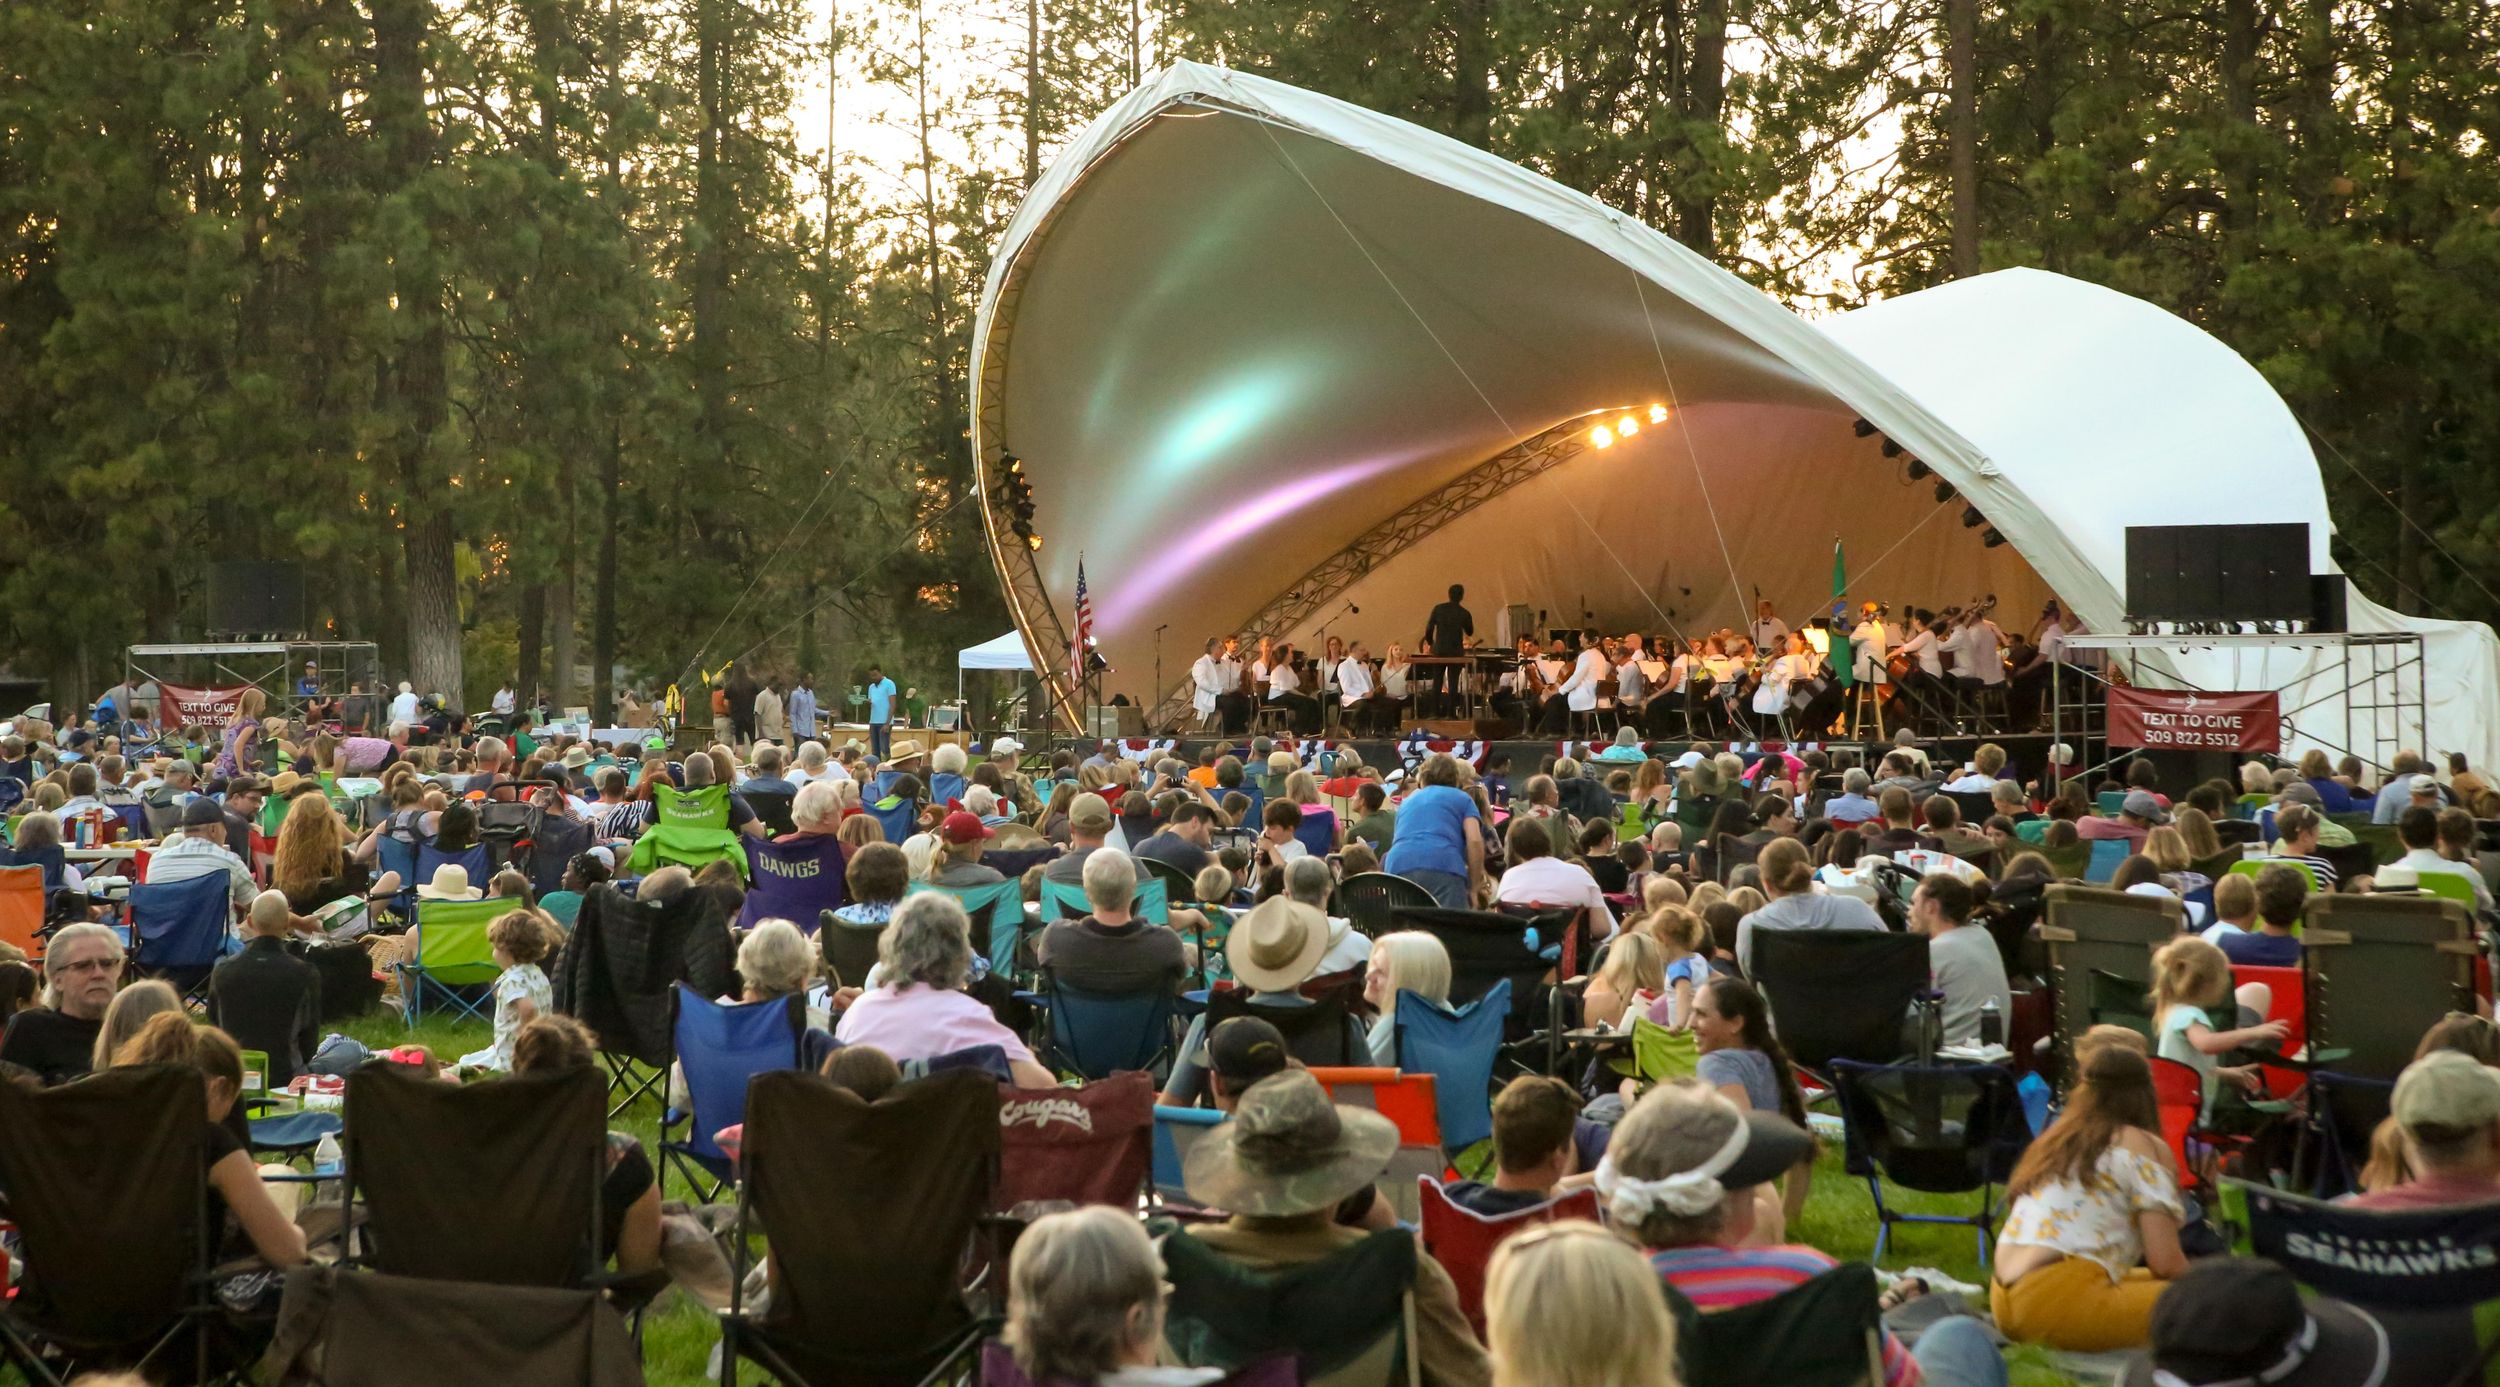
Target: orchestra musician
(1978, 649)
(1284, 689)
(1396, 684)
(1631, 677)
(1768, 633)
(1359, 704)
(1576, 693)
(1213, 680)
(1870, 647)
(1522, 689)
(1446, 633)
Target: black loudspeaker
(255, 599)
(2327, 595)
(2218, 573)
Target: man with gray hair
(82, 968)
(491, 755)
(742, 817)
(1108, 949)
(1853, 805)
(1309, 881)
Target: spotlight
(1035, 541)
(1891, 449)
(1601, 437)
(1972, 519)
(1920, 471)
(1944, 491)
(1991, 538)
(1627, 426)
(1657, 414)
(1864, 429)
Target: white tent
(998, 652)
(1263, 354)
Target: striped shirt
(1716, 1278)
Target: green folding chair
(2251, 866)
(690, 829)
(449, 957)
(1659, 1053)
(2447, 886)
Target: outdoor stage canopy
(1265, 355)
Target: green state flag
(1844, 667)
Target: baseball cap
(2447, 1089)
(1089, 811)
(2242, 1320)
(1245, 1050)
(201, 812)
(2421, 785)
(961, 827)
(2141, 804)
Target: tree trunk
(1032, 93)
(1471, 106)
(412, 389)
(1961, 18)
(941, 361)
(603, 599)
(532, 624)
(2237, 167)
(707, 352)
(1705, 101)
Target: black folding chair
(1370, 900)
(1840, 994)
(1488, 946)
(1937, 1129)
(1316, 1034)
(106, 1180)
(1827, 1332)
(871, 1210)
(773, 807)
(1179, 888)
(616, 970)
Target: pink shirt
(922, 1022)
(2434, 1192)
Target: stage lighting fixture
(1657, 414)
(1035, 541)
(1920, 471)
(1864, 429)
(1601, 437)
(1944, 491)
(1991, 538)
(1891, 449)
(1627, 426)
(1972, 519)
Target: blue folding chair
(1098, 1034)
(179, 929)
(449, 959)
(1457, 1046)
(997, 912)
(2107, 853)
(472, 859)
(1061, 901)
(899, 820)
(53, 860)
(1941, 1129)
(719, 1048)
(792, 881)
(945, 787)
(1177, 1130)
(399, 855)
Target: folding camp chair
(377, 1330)
(1488, 946)
(1317, 1034)
(1462, 1240)
(179, 929)
(870, 1209)
(1176, 1132)
(1062, 901)
(1370, 901)
(1097, 1034)
(1941, 1129)
(1659, 1053)
(1343, 1317)
(997, 914)
(2345, 1111)
(2447, 886)
(2107, 855)
(2088, 930)
(616, 969)
(1827, 1332)
(773, 807)
(849, 950)
(1177, 884)
(2424, 1274)
(689, 829)
(795, 881)
(1088, 1145)
(2290, 989)
(2382, 969)
(107, 1186)
(397, 852)
(553, 843)
(1013, 862)
(900, 818)
(1839, 994)
(720, 1047)
(22, 903)
(2251, 866)
(1457, 1046)
(449, 959)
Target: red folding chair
(1087, 1145)
(2291, 1007)
(1412, 1102)
(21, 908)
(1462, 1240)
(2179, 1096)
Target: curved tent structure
(1277, 364)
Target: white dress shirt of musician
(1780, 675)
(1211, 678)
(1978, 652)
(1394, 673)
(1281, 680)
(1768, 632)
(1354, 678)
(1587, 673)
(1923, 647)
(1869, 646)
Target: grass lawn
(1839, 1218)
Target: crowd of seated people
(1700, 1179)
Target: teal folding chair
(1061, 901)
(449, 957)
(997, 912)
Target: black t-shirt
(1173, 850)
(1448, 628)
(55, 1046)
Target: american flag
(1084, 638)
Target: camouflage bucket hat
(1288, 1150)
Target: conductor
(1446, 633)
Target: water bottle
(1991, 1023)
(328, 1161)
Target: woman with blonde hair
(313, 866)
(240, 750)
(132, 1009)
(1302, 788)
(1633, 976)
(858, 831)
(2197, 831)
(1573, 1305)
(1407, 961)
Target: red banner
(2172, 720)
(196, 707)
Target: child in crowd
(522, 993)
(2235, 908)
(1681, 939)
(2190, 978)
